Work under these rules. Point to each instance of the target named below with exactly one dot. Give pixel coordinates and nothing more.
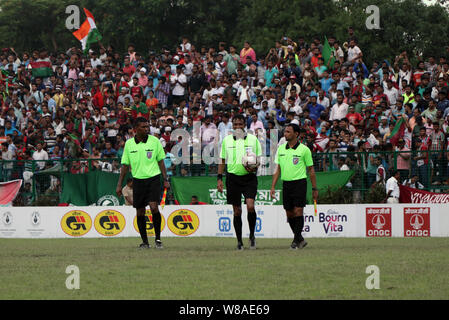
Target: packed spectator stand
(83, 110)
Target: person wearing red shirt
(418, 74)
(151, 102)
(354, 117)
(128, 68)
(359, 88)
(195, 201)
(315, 57)
(380, 95)
(119, 84)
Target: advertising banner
(410, 195)
(331, 221)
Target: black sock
(297, 224)
(157, 220)
(141, 224)
(301, 226)
(252, 218)
(238, 227)
(291, 222)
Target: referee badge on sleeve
(149, 153)
(295, 160)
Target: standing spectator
(179, 83)
(437, 150)
(403, 159)
(40, 154)
(392, 188)
(246, 52)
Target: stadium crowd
(85, 109)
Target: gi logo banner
(76, 223)
(183, 222)
(109, 223)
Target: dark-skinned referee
(145, 155)
(293, 161)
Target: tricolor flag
(398, 131)
(88, 33)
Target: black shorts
(146, 191)
(294, 194)
(177, 99)
(238, 185)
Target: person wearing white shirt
(339, 110)
(354, 52)
(392, 188)
(323, 100)
(244, 92)
(225, 127)
(95, 61)
(179, 83)
(40, 154)
(391, 92)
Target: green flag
(328, 54)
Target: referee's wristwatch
(314, 189)
(219, 177)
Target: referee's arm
(123, 172)
(221, 166)
(161, 165)
(277, 173)
(312, 175)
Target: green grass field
(211, 268)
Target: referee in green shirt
(240, 180)
(293, 160)
(145, 155)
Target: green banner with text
(205, 188)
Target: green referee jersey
(293, 161)
(233, 150)
(143, 157)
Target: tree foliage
(151, 24)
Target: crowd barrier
(386, 220)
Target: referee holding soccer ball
(145, 155)
(293, 160)
(240, 178)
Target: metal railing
(42, 179)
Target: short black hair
(238, 117)
(295, 127)
(139, 120)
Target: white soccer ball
(250, 160)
